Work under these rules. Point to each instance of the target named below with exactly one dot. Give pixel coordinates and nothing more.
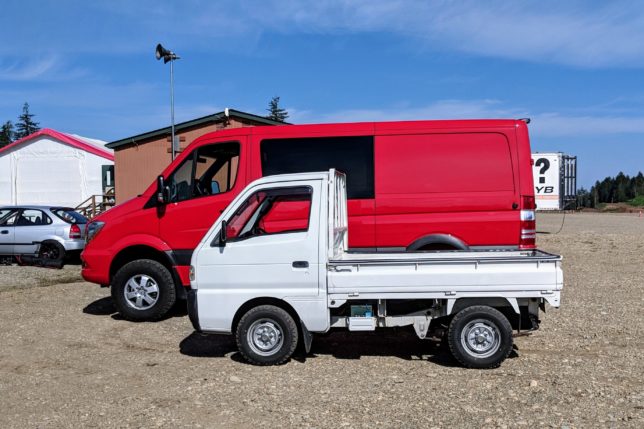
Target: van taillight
(74, 231)
(528, 223)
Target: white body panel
(261, 267)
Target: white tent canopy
(52, 168)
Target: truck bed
(518, 274)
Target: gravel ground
(67, 361)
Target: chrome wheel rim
(481, 338)
(265, 337)
(141, 292)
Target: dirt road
(67, 361)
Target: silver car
(46, 232)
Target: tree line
(24, 126)
(618, 189)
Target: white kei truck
(275, 269)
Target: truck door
(201, 188)
(271, 247)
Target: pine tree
(276, 113)
(6, 134)
(26, 125)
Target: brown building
(139, 159)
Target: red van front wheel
(143, 290)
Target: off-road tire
(490, 317)
(167, 296)
(284, 322)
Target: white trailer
(274, 269)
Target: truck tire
(143, 290)
(266, 335)
(480, 337)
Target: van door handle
(4, 231)
(300, 264)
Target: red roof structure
(67, 139)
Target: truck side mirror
(223, 236)
(163, 193)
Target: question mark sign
(546, 166)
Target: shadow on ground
(341, 345)
(105, 307)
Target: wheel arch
(505, 306)
(438, 242)
(267, 300)
(139, 251)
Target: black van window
(351, 155)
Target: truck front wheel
(480, 337)
(266, 335)
(143, 290)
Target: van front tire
(266, 335)
(143, 290)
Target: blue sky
(576, 68)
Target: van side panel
(457, 183)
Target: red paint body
(465, 179)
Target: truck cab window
(209, 170)
(275, 211)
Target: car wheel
(266, 335)
(52, 252)
(480, 337)
(143, 290)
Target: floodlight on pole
(169, 56)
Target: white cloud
(543, 124)
(606, 34)
(574, 32)
(27, 70)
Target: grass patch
(637, 201)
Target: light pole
(169, 56)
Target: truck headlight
(192, 273)
(92, 229)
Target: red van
(418, 185)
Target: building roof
(216, 117)
(89, 145)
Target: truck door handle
(300, 264)
(4, 231)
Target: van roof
(365, 128)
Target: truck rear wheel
(143, 290)
(480, 337)
(266, 335)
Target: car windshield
(69, 215)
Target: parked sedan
(50, 233)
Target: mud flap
(307, 337)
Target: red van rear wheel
(143, 290)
